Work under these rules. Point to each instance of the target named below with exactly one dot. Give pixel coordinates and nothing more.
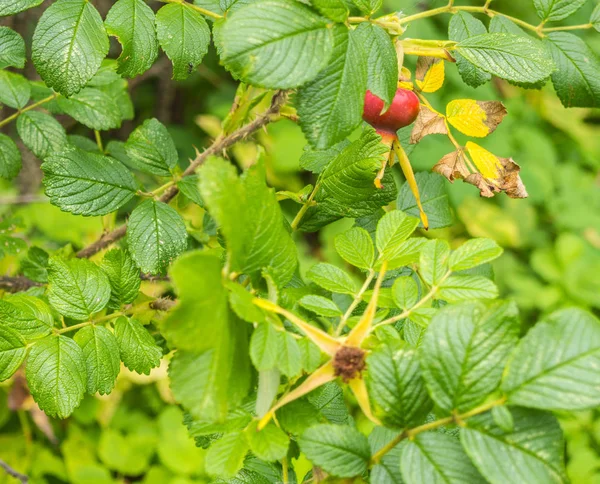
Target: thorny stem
(410, 433)
(305, 207)
(27, 108)
(203, 11)
(355, 302)
(13, 473)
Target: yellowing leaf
(452, 165)
(475, 118)
(487, 163)
(429, 74)
(427, 122)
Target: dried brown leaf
(452, 165)
(428, 122)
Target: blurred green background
(551, 241)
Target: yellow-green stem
(305, 207)
(27, 108)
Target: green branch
(14, 116)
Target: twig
(11, 472)
(219, 145)
(16, 284)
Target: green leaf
(189, 187)
(553, 10)
(77, 288)
(436, 458)
(12, 48)
(397, 388)
(196, 323)
(387, 471)
(532, 452)
(226, 456)
(594, 18)
(151, 149)
(382, 61)
(317, 160)
(184, 36)
(264, 346)
(511, 57)
(355, 246)
(577, 77)
(289, 360)
(101, 353)
(16, 6)
(320, 305)
(336, 10)
(462, 26)
(10, 158)
(14, 89)
(123, 275)
(87, 183)
(156, 235)
(464, 351)
(35, 266)
(503, 418)
(330, 106)
(474, 252)
(434, 261)
(67, 29)
(138, 349)
(132, 23)
(55, 372)
(240, 300)
(41, 133)
(28, 315)
(405, 292)
(13, 350)
(393, 229)
(270, 444)
(368, 6)
(434, 198)
(290, 44)
(332, 278)
(466, 288)
(92, 108)
(501, 24)
(340, 450)
(554, 367)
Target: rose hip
(402, 112)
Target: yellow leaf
(487, 163)
(429, 74)
(475, 118)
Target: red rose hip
(402, 112)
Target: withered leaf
(475, 118)
(429, 74)
(452, 165)
(427, 122)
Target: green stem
(568, 27)
(305, 207)
(203, 11)
(162, 188)
(355, 302)
(410, 433)
(99, 140)
(27, 108)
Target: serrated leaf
(132, 23)
(289, 360)
(503, 418)
(41, 133)
(405, 292)
(397, 388)
(330, 106)
(554, 365)
(382, 61)
(532, 452)
(269, 444)
(28, 315)
(434, 199)
(12, 48)
(87, 183)
(10, 158)
(553, 10)
(77, 288)
(156, 235)
(317, 160)
(66, 30)
(336, 10)
(290, 44)
(595, 18)
(189, 187)
(332, 278)
(123, 275)
(434, 261)
(462, 26)
(466, 288)
(240, 300)
(14, 89)
(151, 149)
(264, 346)
(92, 108)
(368, 6)
(428, 122)
(320, 305)
(35, 265)
(56, 377)
(429, 74)
(511, 57)
(577, 77)
(13, 350)
(408, 253)
(474, 252)
(464, 352)
(501, 24)
(392, 230)
(138, 349)
(436, 458)
(226, 456)
(340, 450)
(102, 361)
(475, 118)
(355, 246)
(16, 6)
(184, 36)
